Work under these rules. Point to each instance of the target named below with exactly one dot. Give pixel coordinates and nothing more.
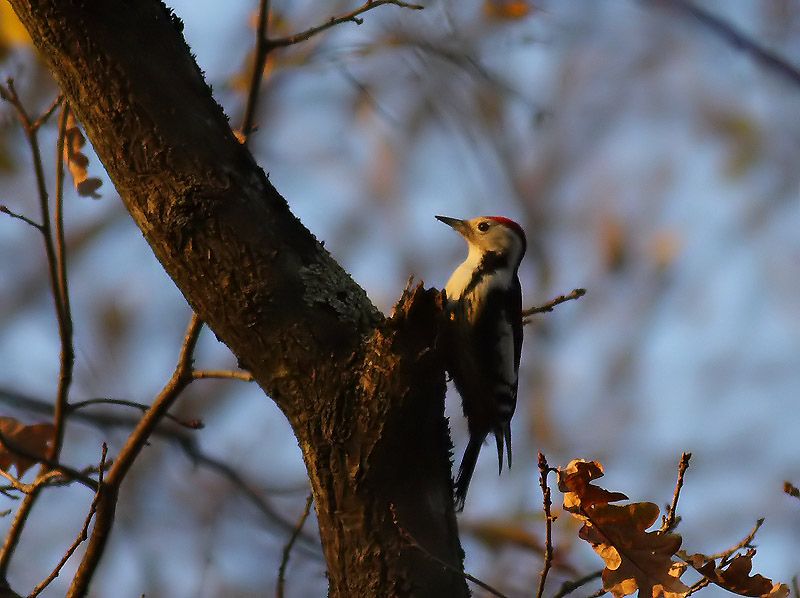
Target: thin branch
(17, 484)
(192, 424)
(65, 312)
(265, 45)
(186, 443)
(743, 543)
(669, 521)
(736, 38)
(63, 317)
(570, 586)
(333, 21)
(48, 464)
(598, 593)
(109, 489)
(550, 305)
(224, 374)
(287, 550)
(413, 542)
(45, 116)
(25, 219)
(259, 60)
(547, 503)
(84, 533)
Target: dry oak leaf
(574, 481)
(77, 162)
(735, 576)
(33, 440)
(635, 559)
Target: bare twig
(259, 60)
(45, 116)
(550, 305)
(265, 45)
(82, 535)
(62, 292)
(735, 38)
(570, 586)
(413, 542)
(791, 489)
(287, 550)
(223, 374)
(17, 484)
(25, 219)
(598, 593)
(333, 21)
(49, 464)
(58, 287)
(743, 543)
(724, 557)
(547, 503)
(192, 424)
(669, 521)
(109, 489)
(185, 442)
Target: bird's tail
(466, 470)
(500, 435)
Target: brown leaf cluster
(635, 559)
(640, 561)
(77, 162)
(32, 440)
(734, 575)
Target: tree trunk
(364, 394)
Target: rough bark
(364, 394)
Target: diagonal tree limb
(364, 394)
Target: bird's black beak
(459, 225)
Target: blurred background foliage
(648, 160)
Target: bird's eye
(483, 226)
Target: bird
(483, 335)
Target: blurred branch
(25, 219)
(735, 38)
(45, 116)
(265, 45)
(544, 469)
(290, 544)
(259, 60)
(185, 442)
(109, 488)
(65, 318)
(193, 424)
(54, 250)
(50, 466)
(570, 586)
(412, 541)
(84, 533)
(17, 484)
(333, 21)
(550, 305)
(669, 521)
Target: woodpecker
(484, 334)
